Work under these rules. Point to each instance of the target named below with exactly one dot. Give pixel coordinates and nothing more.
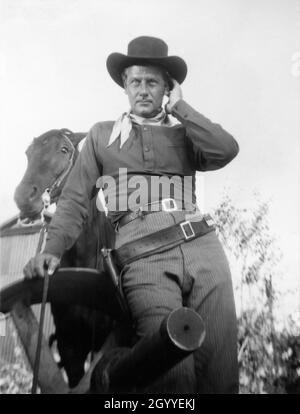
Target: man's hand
(175, 95)
(37, 266)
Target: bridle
(46, 196)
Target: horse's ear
(74, 137)
(77, 137)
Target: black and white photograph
(150, 199)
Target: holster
(113, 272)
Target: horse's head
(50, 158)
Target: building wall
(17, 246)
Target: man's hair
(163, 71)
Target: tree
(254, 257)
(15, 377)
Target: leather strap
(36, 366)
(164, 239)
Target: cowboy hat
(146, 50)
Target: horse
(79, 330)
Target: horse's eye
(64, 150)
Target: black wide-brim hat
(144, 51)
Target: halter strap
(60, 178)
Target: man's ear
(167, 90)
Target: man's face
(145, 87)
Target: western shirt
(194, 144)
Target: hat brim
(117, 62)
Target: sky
(241, 74)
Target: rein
(46, 197)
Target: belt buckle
(172, 206)
(185, 231)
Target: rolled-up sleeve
(73, 206)
(209, 145)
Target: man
(186, 266)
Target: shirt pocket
(173, 157)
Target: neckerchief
(123, 125)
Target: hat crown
(146, 46)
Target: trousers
(195, 274)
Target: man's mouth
(144, 102)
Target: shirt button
(145, 128)
(147, 149)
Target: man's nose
(143, 89)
